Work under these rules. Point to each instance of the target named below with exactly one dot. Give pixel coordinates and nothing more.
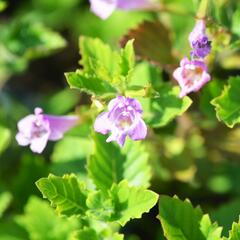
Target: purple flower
(104, 8)
(199, 40)
(123, 118)
(36, 130)
(191, 76)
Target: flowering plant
(126, 132)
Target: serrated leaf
(210, 230)
(109, 164)
(126, 203)
(234, 234)
(88, 83)
(227, 104)
(65, 193)
(183, 222)
(166, 107)
(5, 136)
(131, 202)
(41, 222)
(151, 42)
(103, 70)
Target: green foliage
(86, 234)
(166, 106)
(5, 199)
(3, 5)
(66, 194)
(235, 231)
(119, 204)
(126, 203)
(227, 104)
(226, 214)
(104, 70)
(5, 135)
(181, 221)
(236, 22)
(47, 225)
(23, 40)
(109, 164)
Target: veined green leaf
(183, 222)
(66, 194)
(109, 164)
(227, 104)
(166, 107)
(88, 83)
(104, 70)
(121, 203)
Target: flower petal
(134, 4)
(25, 125)
(38, 144)
(102, 124)
(103, 8)
(22, 140)
(59, 125)
(139, 131)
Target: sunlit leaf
(109, 164)
(66, 194)
(227, 104)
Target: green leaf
(85, 234)
(98, 57)
(5, 199)
(236, 22)
(109, 164)
(127, 58)
(62, 102)
(66, 158)
(234, 234)
(104, 70)
(210, 230)
(41, 222)
(126, 203)
(89, 83)
(181, 221)
(227, 104)
(166, 107)
(5, 136)
(65, 193)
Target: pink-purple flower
(199, 40)
(36, 129)
(123, 118)
(104, 8)
(191, 76)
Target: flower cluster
(104, 8)
(193, 74)
(123, 118)
(36, 129)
